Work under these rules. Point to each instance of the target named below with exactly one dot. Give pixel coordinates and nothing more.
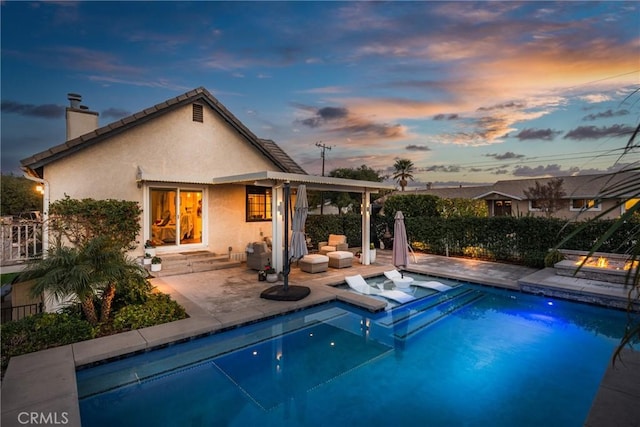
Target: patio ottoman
(340, 259)
(314, 263)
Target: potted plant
(272, 275)
(147, 258)
(156, 263)
(150, 248)
(372, 253)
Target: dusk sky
(471, 92)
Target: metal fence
(21, 241)
(20, 311)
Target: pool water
(472, 356)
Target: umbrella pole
(286, 266)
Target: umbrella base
(277, 293)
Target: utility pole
(324, 148)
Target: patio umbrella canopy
(400, 243)
(300, 211)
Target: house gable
(200, 96)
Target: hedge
(521, 240)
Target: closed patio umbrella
(400, 243)
(285, 292)
(300, 210)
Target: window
(258, 203)
(585, 205)
(198, 113)
(502, 208)
(535, 205)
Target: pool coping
(44, 382)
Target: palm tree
(83, 272)
(403, 171)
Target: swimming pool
(470, 356)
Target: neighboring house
(584, 197)
(204, 181)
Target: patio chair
(336, 242)
(258, 255)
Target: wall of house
(522, 208)
(228, 226)
(176, 148)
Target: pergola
(276, 181)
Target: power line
(571, 156)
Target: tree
(403, 170)
(18, 194)
(341, 199)
(84, 272)
(548, 197)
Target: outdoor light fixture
(40, 189)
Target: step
(410, 319)
(193, 262)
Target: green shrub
(552, 258)
(159, 308)
(135, 289)
(41, 331)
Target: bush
(135, 289)
(552, 258)
(159, 308)
(41, 331)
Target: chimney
(80, 120)
(75, 99)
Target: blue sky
(471, 92)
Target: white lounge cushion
(358, 284)
(392, 274)
(433, 285)
(398, 296)
(395, 274)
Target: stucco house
(202, 178)
(584, 196)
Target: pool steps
(399, 324)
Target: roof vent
(75, 99)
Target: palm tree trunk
(107, 298)
(89, 310)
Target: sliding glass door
(175, 216)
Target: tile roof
(578, 186)
(267, 147)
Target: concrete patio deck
(44, 382)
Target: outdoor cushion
(315, 259)
(336, 242)
(336, 239)
(314, 263)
